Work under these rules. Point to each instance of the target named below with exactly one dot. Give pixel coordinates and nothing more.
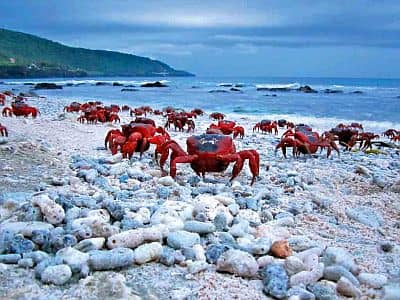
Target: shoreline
(307, 201)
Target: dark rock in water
(69, 84)
(329, 91)
(28, 83)
(154, 84)
(129, 90)
(28, 94)
(117, 84)
(239, 85)
(214, 251)
(47, 86)
(357, 92)
(225, 84)
(235, 89)
(195, 87)
(99, 83)
(306, 89)
(270, 95)
(275, 89)
(275, 280)
(218, 91)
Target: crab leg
(181, 159)
(238, 158)
(176, 151)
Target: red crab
(267, 126)
(210, 153)
(2, 99)
(217, 116)
(364, 138)
(390, 133)
(134, 137)
(180, 120)
(197, 111)
(306, 142)
(3, 130)
(73, 107)
(20, 109)
(226, 127)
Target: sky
(303, 38)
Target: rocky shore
(77, 222)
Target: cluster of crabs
(212, 151)
(94, 111)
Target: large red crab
(20, 109)
(135, 137)
(226, 127)
(210, 153)
(3, 130)
(306, 142)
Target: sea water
(373, 102)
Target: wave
(288, 86)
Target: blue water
(379, 101)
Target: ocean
(373, 102)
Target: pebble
(181, 239)
(375, 281)
(240, 229)
(307, 277)
(275, 280)
(167, 256)
(323, 291)
(391, 292)
(26, 263)
(366, 215)
(281, 249)
(221, 222)
(214, 251)
(111, 259)
(57, 275)
(294, 265)
(148, 252)
(299, 293)
(199, 227)
(75, 259)
(237, 262)
(9, 258)
(265, 260)
(339, 256)
(334, 273)
(197, 267)
(166, 181)
(346, 288)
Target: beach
(343, 210)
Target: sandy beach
(340, 217)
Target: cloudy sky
(335, 38)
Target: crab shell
(207, 147)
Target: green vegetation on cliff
(24, 55)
